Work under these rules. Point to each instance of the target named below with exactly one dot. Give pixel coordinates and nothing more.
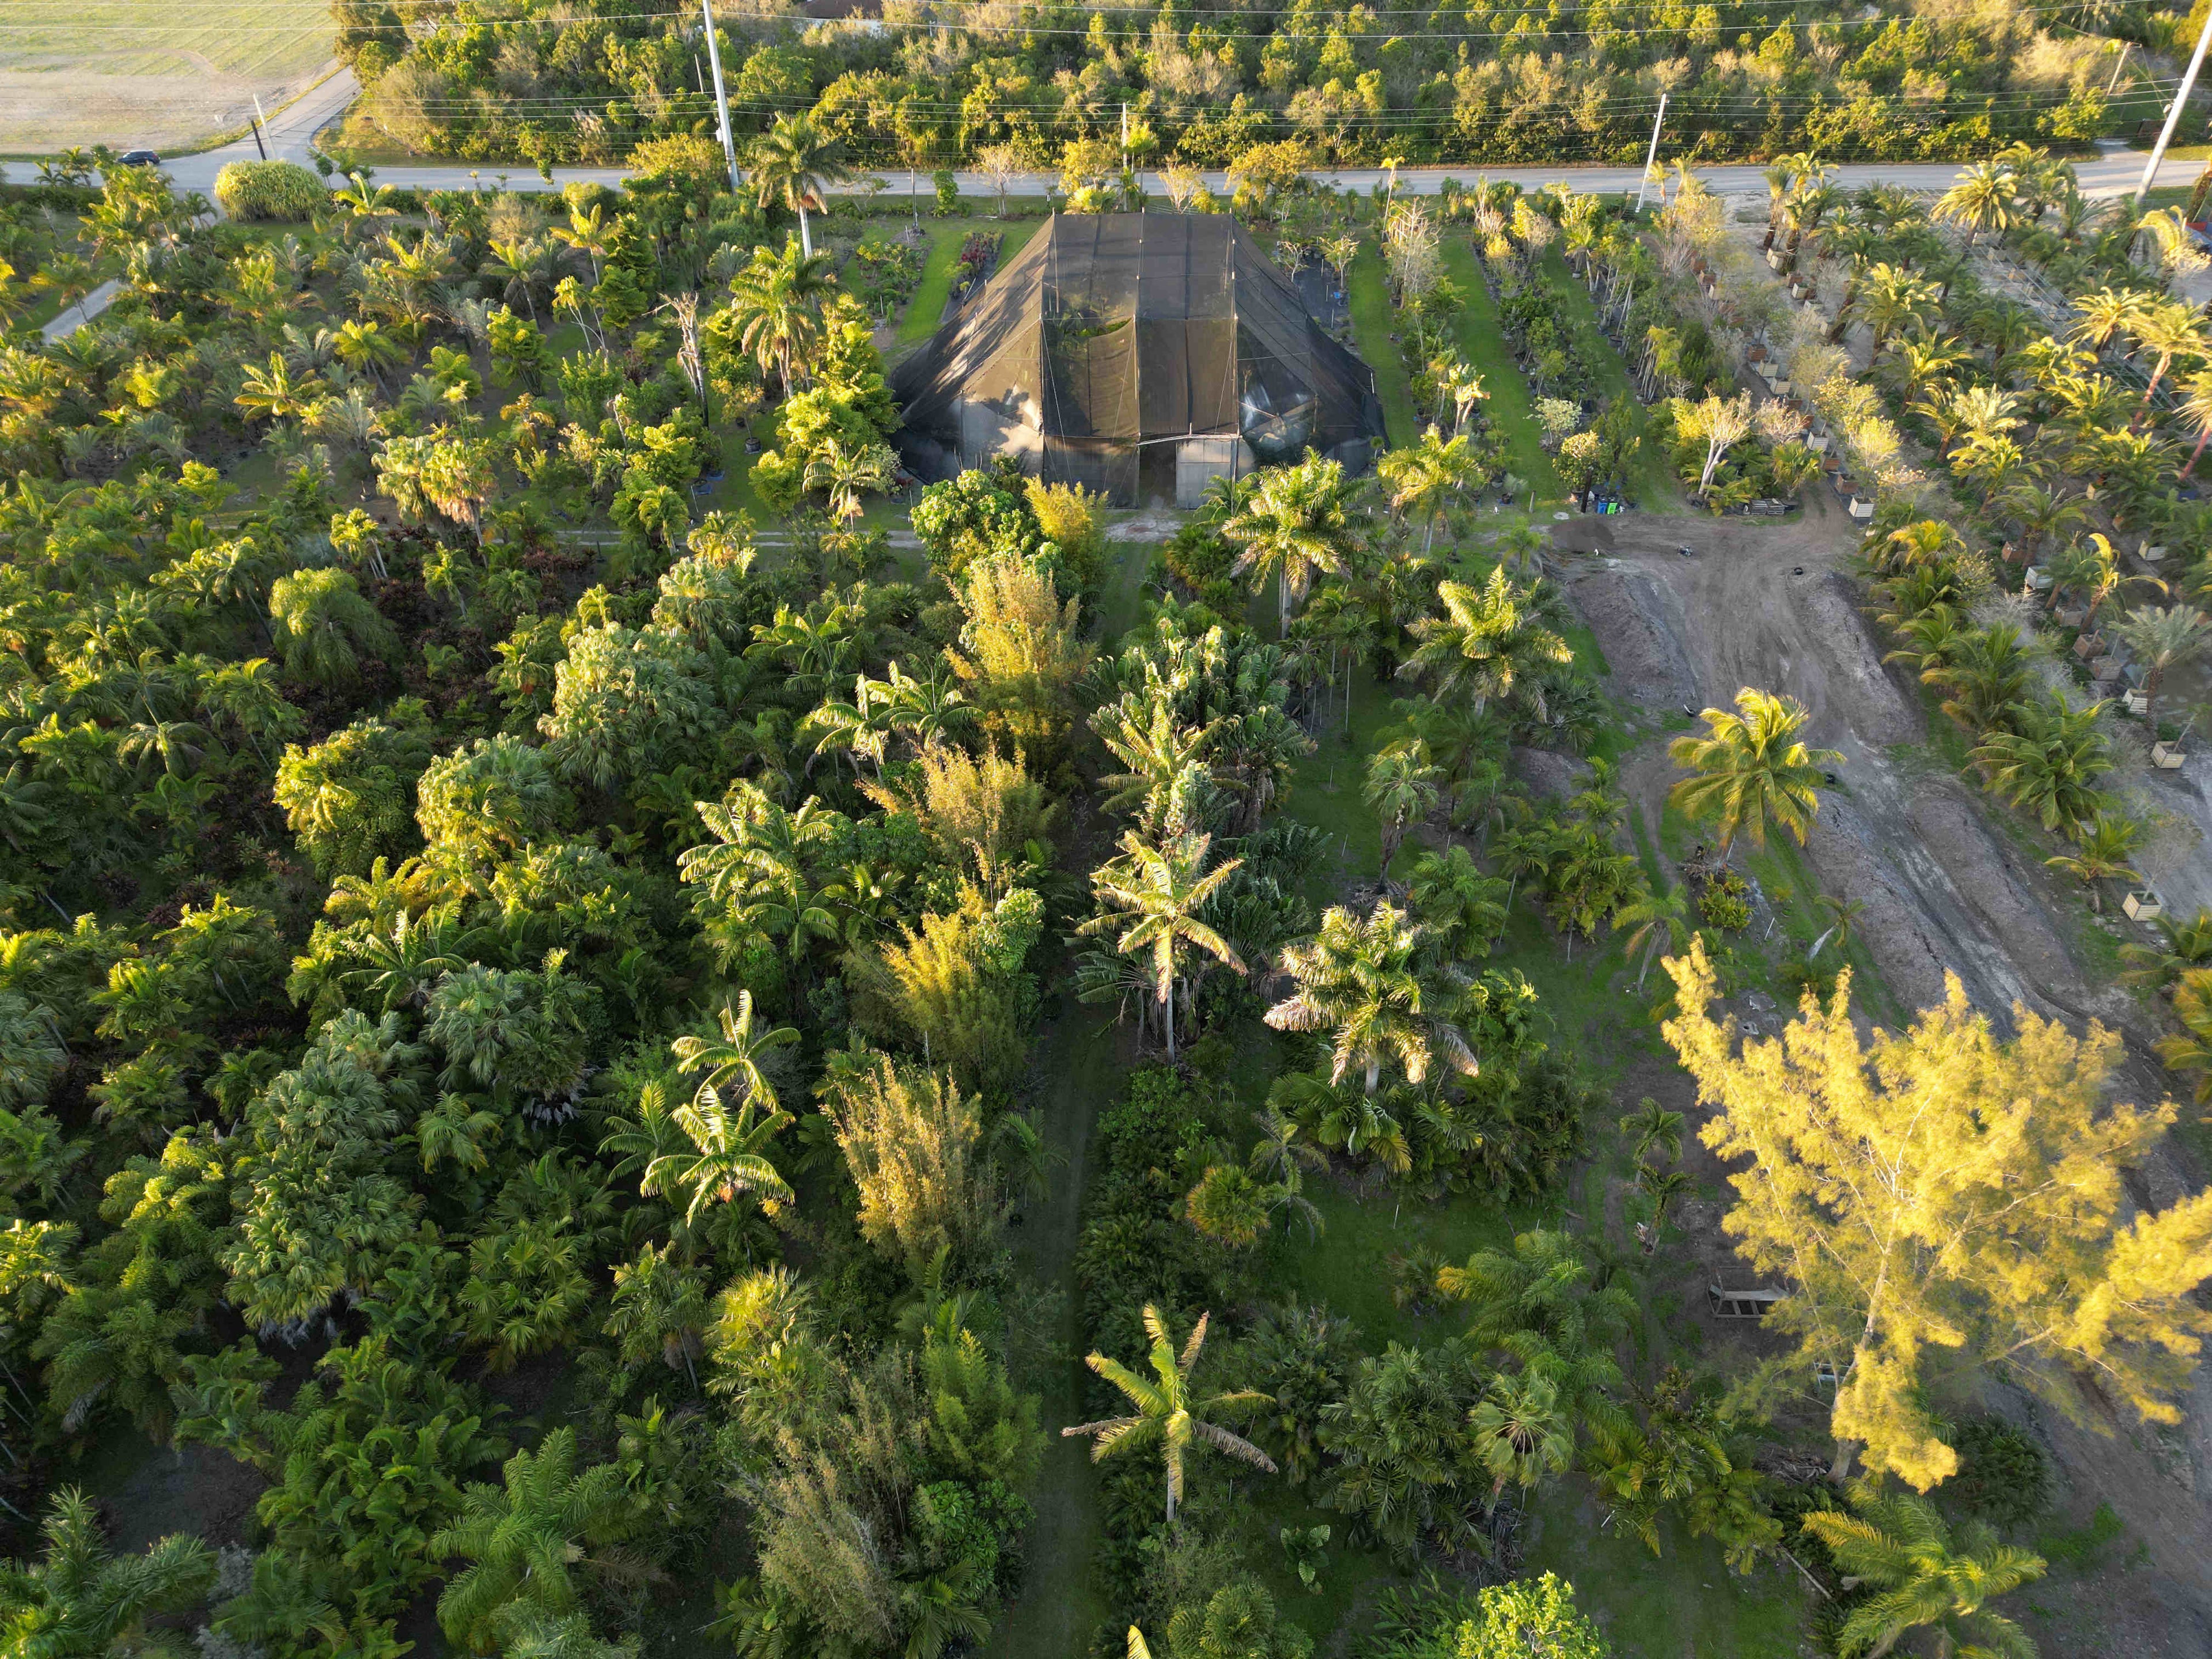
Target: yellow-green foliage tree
(929, 1193)
(1020, 649)
(1941, 1200)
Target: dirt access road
(1776, 607)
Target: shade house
(1143, 355)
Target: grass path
(1058, 1606)
(1510, 407)
(946, 236)
(1371, 320)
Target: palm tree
(1166, 1414)
(1987, 677)
(1656, 923)
(2166, 331)
(1752, 767)
(1842, 913)
(1427, 475)
(524, 1538)
(2102, 847)
(1654, 1126)
(846, 472)
(1369, 983)
(1491, 642)
(2190, 1050)
(1158, 893)
(80, 1598)
(1984, 196)
(2160, 967)
(2049, 762)
(726, 1157)
(1296, 522)
(1901, 1549)
(793, 164)
(736, 1055)
(1401, 790)
(2197, 410)
(776, 300)
(1521, 1429)
(1452, 894)
(2163, 637)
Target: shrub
(268, 189)
(1726, 902)
(2003, 1474)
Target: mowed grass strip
(261, 40)
(1510, 406)
(1372, 322)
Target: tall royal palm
(1492, 642)
(1751, 768)
(1167, 1413)
(1154, 895)
(1368, 982)
(793, 164)
(777, 302)
(1297, 521)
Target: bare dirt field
(1945, 889)
(139, 74)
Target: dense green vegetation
(541, 1016)
(541, 80)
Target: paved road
(291, 129)
(70, 319)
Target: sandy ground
(1775, 606)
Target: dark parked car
(138, 158)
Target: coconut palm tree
(777, 301)
(1156, 894)
(1987, 677)
(2188, 945)
(2049, 762)
(524, 1538)
(1167, 1413)
(2163, 637)
(1368, 983)
(793, 164)
(1491, 642)
(1655, 1128)
(1900, 1548)
(1452, 894)
(1401, 790)
(2102, 847)
(1750, 768)
(726, 1159)
(1297, 522)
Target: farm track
(1946, 890)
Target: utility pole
(258, 121)
(2112, 83)
(1651, 155)
(721, 100)
(2173, 115)
(1125, 134)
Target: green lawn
(1372, 319)
(926, 309)
(1510, 407)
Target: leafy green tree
(1168, 1414)
(523, 1539)
(1237, 1621)
(1750, 769)
(2049, 764)
(491, 798)
(80, 1601)
(2102, 847)
(1921, 1575)
(1451, 895)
